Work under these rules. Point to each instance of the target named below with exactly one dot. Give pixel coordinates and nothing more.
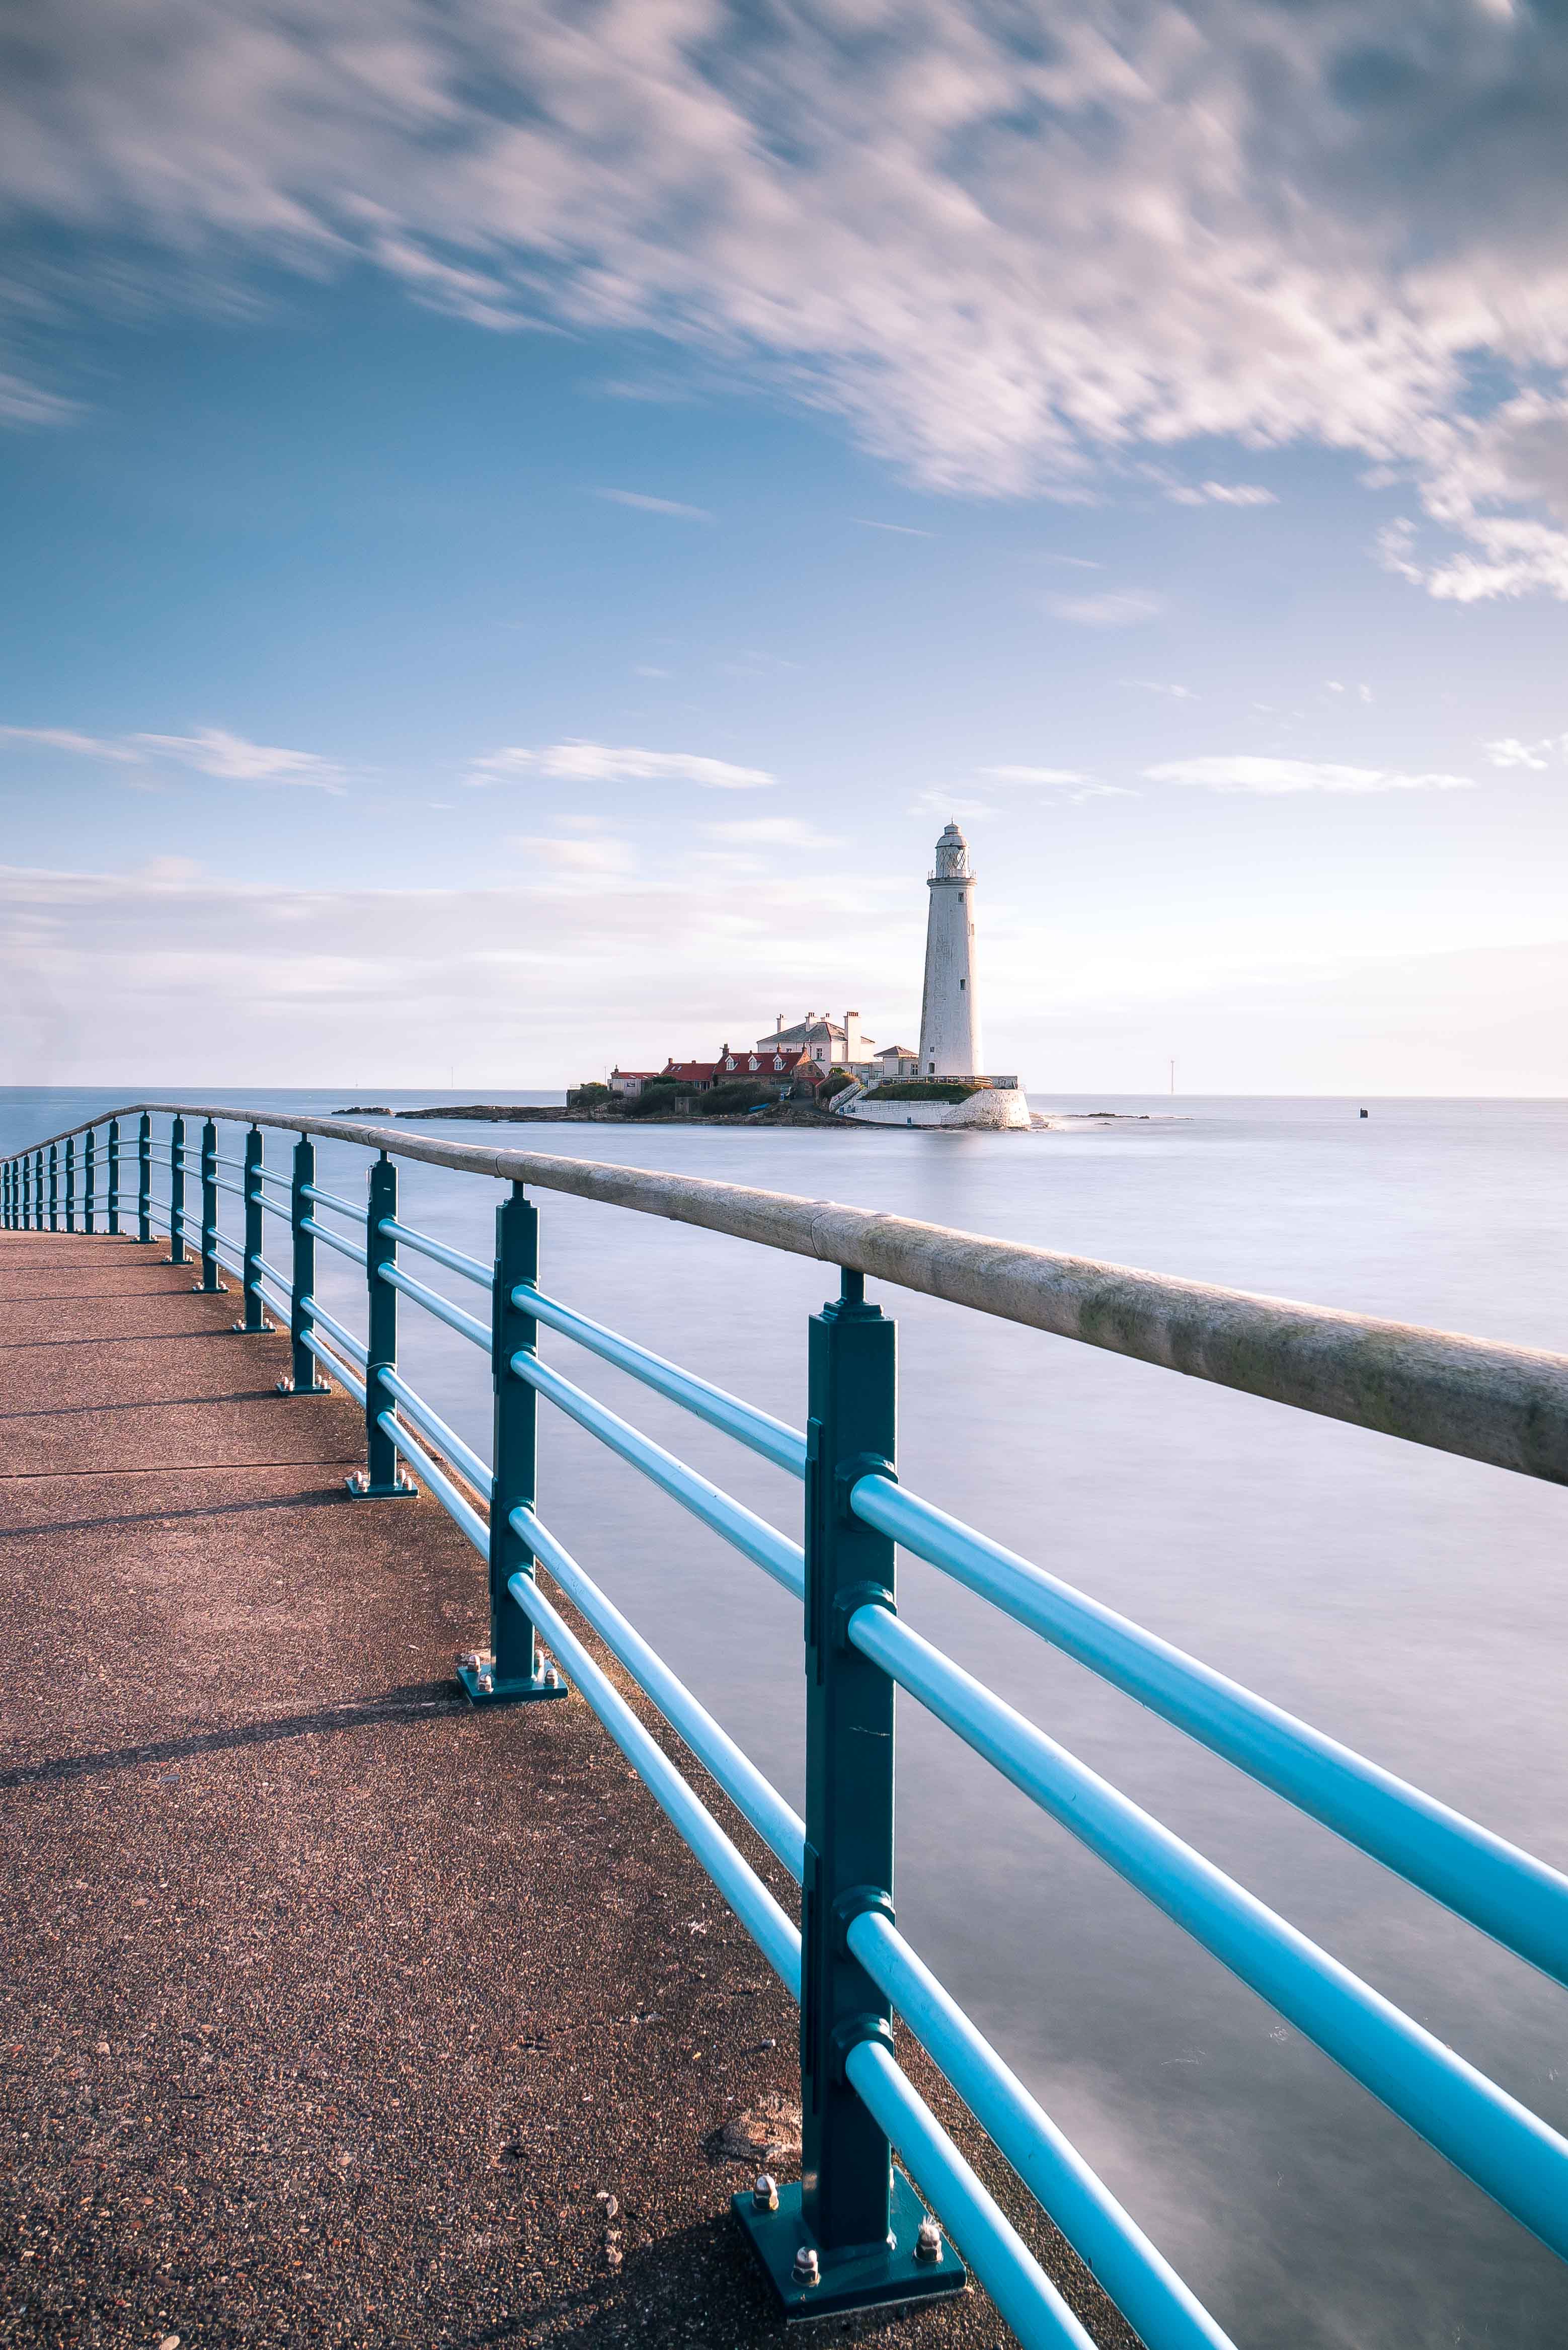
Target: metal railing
(853, 2233)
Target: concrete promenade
(333, 2013)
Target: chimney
(852, 1046)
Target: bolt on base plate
(508, 1692)
(287, 1387)
(240, 1331)
(866, 2278)
(360, 1489)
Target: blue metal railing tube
(113, 1203)
(209, 1278)
(304, 1377)
(176, 1192)
(90, 1173)
(384, 1480)
(144, 1179)
(514, 1672)
(254, 1318)
(1506, 1892)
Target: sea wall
(997, 1105)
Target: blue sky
(533, 537)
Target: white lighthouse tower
(949, 1009)
(948, 1087)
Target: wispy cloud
(1510, 751)
(1221, 493)
(1115, 608)
(901, 529)
(23, 403)
(948, 806)
(230, 759)
(599, 763)
(645, 505)
(771, 832)
(1274, 778)
(1154, 685)
(64, 738)
(212, 751)
(1034, 775)
(596, 858)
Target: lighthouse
(950, 1011)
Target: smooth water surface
(1411, 1604)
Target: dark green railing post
(510, 1672)
(7, 1179)
(845, 2238)
(38, 1191)
(54, 1187)
(144, 1179)
(382, 1478)
(304, 1372)
(70, 1182)
(176, 1192)
(211, 1279)
(254, 1318)
(113, 1177)
(89, 1169)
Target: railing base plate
(263, 1329)
(861, 2280)
(288, 1387)
(358, 1490)
(507, 1692)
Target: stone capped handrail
(1480, 1399)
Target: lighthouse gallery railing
(850, 2234)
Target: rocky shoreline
(552, 1114)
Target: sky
(523, 522)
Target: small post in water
(210, 1276)
(114, 1178)
(144, 1179)
(845, 2237)
(382, 1477)
(255, 1313)
(510, 1672)
(304, 1373)
(176, 1193)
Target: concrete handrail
(1482, 1399)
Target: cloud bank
(1012, 244)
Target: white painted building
(950, 1008)
(830, 1045)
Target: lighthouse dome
(952, 856)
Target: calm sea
(1414, 1606)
